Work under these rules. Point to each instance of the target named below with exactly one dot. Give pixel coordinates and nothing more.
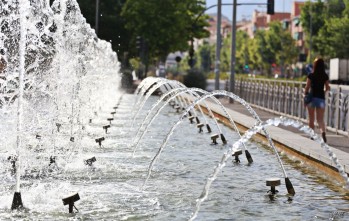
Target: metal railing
(286, 98)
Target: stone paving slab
(288, 136)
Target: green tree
(111, 25)
(313, 16)
(167, 25)
(225, 54)
(204, 57)
(263, 56)
(281, 45)
(242, 55)
(325, 25)
(333, 38)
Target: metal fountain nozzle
(52, 160)
(223, 139)
(17, 201)
(90, 161)
(106, 128)
(110, 120)
(208, 128)
(191, 118)
(236, 154)
(58, 125)
(200, 126)
(70, 200)
(99, 141)
(214, 138)
(273, 182)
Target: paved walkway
(334, 140)
(289, 136)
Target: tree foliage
(274, 45)
(204, 57)
(326, 26)
(111, 24)
(167, 25)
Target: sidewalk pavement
(290, 137)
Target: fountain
(67, 134)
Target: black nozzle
(200, 126)
(99, 141)
(90, 161)
(52, 160)
(191, 119)
(248, 156)
(214, 138)
(72, 139)
(208, 128)
(110, 120)
(236, 155)
(58, 125)
(106, 128)
(273, 182)
(17, 201)
(197, 120)
(223, 139)
(70, 200)
(289, 186)
(38, 136)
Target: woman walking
(317, 85)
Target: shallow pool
(111, 189)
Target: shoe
(324, 137)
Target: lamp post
(218, 44)
(311, 30)
(233, 51)
(97, 17)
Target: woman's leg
(311, 115)
(320, 112)
(320, 120)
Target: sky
(245, 11)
